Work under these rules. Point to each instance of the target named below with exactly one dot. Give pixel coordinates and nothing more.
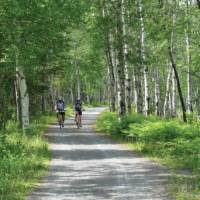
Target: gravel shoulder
(88, 166)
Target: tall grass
(24, 158)
(174, 143)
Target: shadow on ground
(87, 166)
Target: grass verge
(170, 142)
(24, 158)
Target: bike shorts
(61, 113)
(79, 112)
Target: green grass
(24, 158)
(170, 142)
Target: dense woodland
(140, 55)
(137, 56)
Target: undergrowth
(174, 143)
(24, 158)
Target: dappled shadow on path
(87, 166)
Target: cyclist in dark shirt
(60, 108)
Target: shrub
(108, 123)
(170, 139)
(23, 158)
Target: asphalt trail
(88, 166)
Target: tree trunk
(78, 82)
(173, 50)
(51, 92)
(111, 73)
(121, 64)
(145, 67)
(189, 77)
(167, 94)
(138, 92)
(43, 102)
(24, 98)
(17, 98)
(127, 73)
(173, 98)
(110, 61)
(157, 93)
(178, 85)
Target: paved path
(88, 166)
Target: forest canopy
(140, 56)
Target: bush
(170, 139)
(108, 123)
(23, 158)
(175, 142)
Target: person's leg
(57, 114)
(80, 113)
(63, 118)
(75, 115)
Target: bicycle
(60, 119)
(78, 120)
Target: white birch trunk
(78, 83)
(173, 98)
(120, 56)
(24, 98)
(17, 99)
(167, 94)
(127, 78)
(189, 77)
(51, 92)
(157, 93)
(145, 68)
(173, 79)
(138, 92)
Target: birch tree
(143, 59)
(189, 76)
(23, 98)
(120, 57)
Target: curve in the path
(88, 166)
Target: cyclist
(78, 110)
(60, 109)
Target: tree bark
(167, 94)
(121, 64)
(17, 98)
(24, 98)
(110, 61)
(78, 82)
(178, 85)
(127, 71)
(145, 67)
(138, 91)
(173, 50)
(189, 77)
(173, 98)
(157, 93)
(111, 74)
